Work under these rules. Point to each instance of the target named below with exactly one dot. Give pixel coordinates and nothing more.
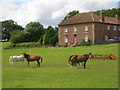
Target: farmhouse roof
(88, 17)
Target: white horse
(14, 59)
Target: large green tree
(71, 13)
(17, 36)
(110, 12)
(49, 32)
(54, 39)
(34, 31)
(8, 26)
(51, 36)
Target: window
(75, 29)
(106, 38)
(115, 27)
(108, 27)
(119, 28)
(65, 29)
(86, 37)
(86, 28)
(66, 38)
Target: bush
(17, 36)
(84, 43)
(31, 44)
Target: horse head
(86, 55)
(90, 55)
(25, 55)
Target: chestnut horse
(79, 59)
(30, 58)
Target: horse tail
(69, 59)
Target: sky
(48, 12)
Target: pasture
(54, 71)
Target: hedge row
(30, 44)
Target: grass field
(54, 71)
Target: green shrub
(84, 43)
(17, 36)
(30, 44)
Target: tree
(8, 26)
(17, 36)
(34, 31)
(51, 36)
(48, 34)
(54, 39)
(110, 12)
(72, 13)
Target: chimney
(102, 17)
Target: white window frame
(85, 28)
(119, 28)
(115, 28)
(106, 38)
(108, 27)
(65, 29)
(86, 37)
(66, 38)
(75, 29)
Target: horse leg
(22, 62)
(84, 65)
(12, 63)
(74, 65)
(28, 63)
(38, 63)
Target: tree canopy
(51, 36)
(71, 13)
(110, 12)
(8, 26)
(34, 31)
(17, 36)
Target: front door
(75, 39)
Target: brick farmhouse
(88, 26)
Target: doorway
(75, 39)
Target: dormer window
(85, 28)
(75, 29)
(65, 29)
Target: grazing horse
(30, 58)
(77, 59)
(14, 59)
(70, 59)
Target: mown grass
(54, 71)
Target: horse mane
(86, 55)
(26, 55)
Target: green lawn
(54, 71)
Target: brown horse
(79, 59)
(30, 58)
